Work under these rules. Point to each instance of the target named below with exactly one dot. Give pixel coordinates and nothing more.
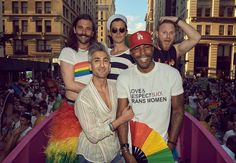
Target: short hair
(163, 22)
(231, 141)
(119, 19)
(96, 46)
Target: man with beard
(155, 93)
(76, 74)
(167, 51)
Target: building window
(207, 12)
(224, 50)
(47, 7)
(199, 12)
(38, 7)
(199, 28)
(24, 7)
(3, 7)
(20, 47)
(48, 26)
(15, 26)
(15, 8)
(230, 11)
(38, 25)
(3, 25)
(208, 30)
(230, 30)
(221, 30)
(43, 46)
(24, 25)
(221, 12)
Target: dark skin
(177, 103)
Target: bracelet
(171, 142)
(111, 127)
(177, 21)
(124, 146)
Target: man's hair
(163, 22)
(119, 19)
(73, 40)
(96, 46)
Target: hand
(129, 158)
(127, 113)
(171, 146)
(171, 18)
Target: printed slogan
(141, 96)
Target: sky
(135, 11)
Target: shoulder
(67, 50)
(167, 68)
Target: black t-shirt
(168, 57)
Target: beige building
(105, 8)
(1, 30)
(40, 28)
(216, 21)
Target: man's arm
(176, 119)
(193, 36)
(123, 131)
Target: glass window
(224, 50)
(230, 11)
(199, 12)
(38, 25)
(24, 7)
(38, 7)
(221, 30)
(24, 25)
(207, 12)
(3, 7)
(15, 8)
(47, 7)
(20, 47)
(221, 12)
(43, 46)
(199, 28)
(48, 26)
(208, 30)
(230, 30)
(15, 26)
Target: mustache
(83, 35)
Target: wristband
(177, 21)
(124, 146)
(171, 142)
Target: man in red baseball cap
(154, 91)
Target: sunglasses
(115, 30)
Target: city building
(1, 30)
(216, 21)
(37, 30)
(105, 8)
(40, 28)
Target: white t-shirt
(80, 62)
(149, 94)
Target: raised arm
(176, 119)
(193, 36)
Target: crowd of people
(103, 89)
(24, 104)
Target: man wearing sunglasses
(119, 54)
(167, 51)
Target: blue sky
(135, 11)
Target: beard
(83, 38)
(163, 47)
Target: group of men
(106, 88)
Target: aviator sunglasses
(115, 30)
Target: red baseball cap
(140, 38)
